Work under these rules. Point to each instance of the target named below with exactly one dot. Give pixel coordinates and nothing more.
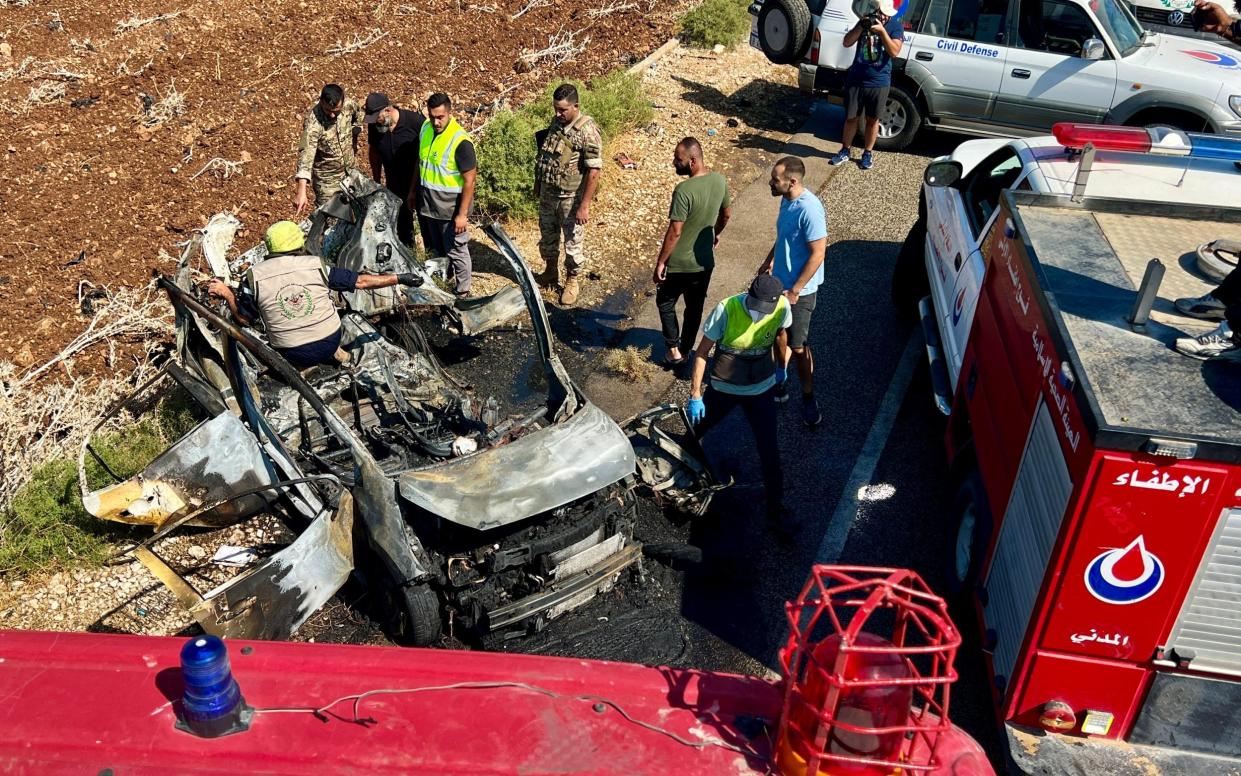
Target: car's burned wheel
(420, 615)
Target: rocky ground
(127, 124)
(697, 93)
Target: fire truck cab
(1098, 521)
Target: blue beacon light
(211, 705)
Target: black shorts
(865, 99)
(802, 311)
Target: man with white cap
(870, 75)
(744, 330)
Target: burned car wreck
(467, 510)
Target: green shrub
(716, 22)
(506, 156)
(506, 150)
(45, 524)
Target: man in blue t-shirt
(796, 259)
(870, 75)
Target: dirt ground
(113, 113)
(694, 91)
(736, 103)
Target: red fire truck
(1099, 516)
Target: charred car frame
(486, 513)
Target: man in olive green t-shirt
(700, 209)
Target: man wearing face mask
(392, 148)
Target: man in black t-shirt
(392, 140)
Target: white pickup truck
(1014, 67)
(941, 261)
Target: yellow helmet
(284, 237)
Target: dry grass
(134, 21)
(356, 43)
(47, 93)
(42, 419)
(631, 364)
(562, 47)
(154, 112)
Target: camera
(870, 20)
(1198, 18)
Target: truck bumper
(1040, 753)
(813, 79)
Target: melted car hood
(539, 472)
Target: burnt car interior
(453, 455)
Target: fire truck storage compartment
(1115, 462)
(1027, 536)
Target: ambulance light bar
(1160, 141)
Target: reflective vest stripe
(437, 157)
(743, 334)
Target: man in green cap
(288, 292)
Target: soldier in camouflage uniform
(566, 175)
(328, 145)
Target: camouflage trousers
(556, 222)
(325, 188)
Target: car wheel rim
(776, 31)
(892, 119)
(965, 543)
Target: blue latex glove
(782, 374)
(696, 409)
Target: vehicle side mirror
(943, 173)
(1092, 48)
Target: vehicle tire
(971, 535)
(1218, 258)
(675, 554)
(899, 121)
(784, 30)
(420, 616)
(909, 281)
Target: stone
(196, 552)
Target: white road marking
(837, 532)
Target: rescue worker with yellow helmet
(443, 189)
(288, 292)
(744, 330)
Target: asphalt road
(869, 485)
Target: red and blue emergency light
(1160, 141)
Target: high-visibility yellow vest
(743, 334)
(437, 157)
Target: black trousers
(760, 413)
(404, 216)
(693, 286)
(1229, 292)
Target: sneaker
(1215, 342)
(1205, 306)
(780, 392)
(841, 157)
(867, 161)
(810, 411)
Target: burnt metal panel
(531, 475)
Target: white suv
(1014, 67)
